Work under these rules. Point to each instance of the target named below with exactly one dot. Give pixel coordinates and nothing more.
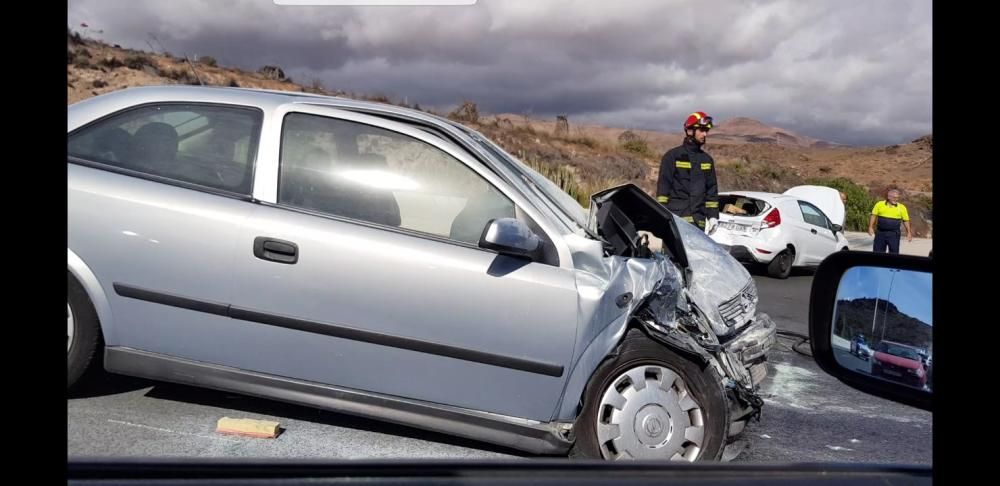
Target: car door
(833, 240)
(821, 239)
(156, 198)
(375, 282)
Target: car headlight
(915, 371)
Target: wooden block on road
(261, 429)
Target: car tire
(781, 264)
(658, 427)
(83, 332)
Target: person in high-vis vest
(885, 224)
(687, 185)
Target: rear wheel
(83, 332)
(781, 265)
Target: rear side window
(812, 215)
(208, 145)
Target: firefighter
(687, 185)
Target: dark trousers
(887, 239)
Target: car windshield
(900, 351)
(565, 205)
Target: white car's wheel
(781, 265)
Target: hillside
(583, 158)
(856, 316)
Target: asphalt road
(850, 361)
(809, 416)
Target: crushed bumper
(745, 360)
(754, 341)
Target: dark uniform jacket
(687, 185)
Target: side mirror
(837, 228)
(509, 236)
(887, 300)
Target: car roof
(262, 98)
(265, 99)
(767, 196)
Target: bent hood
(717, 284)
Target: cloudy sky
(910, 291)
(847, 71)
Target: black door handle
(275, 250)
(813, 231)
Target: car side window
(371, 174)
(207, 145)
(812, 215)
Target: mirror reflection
(882, 325)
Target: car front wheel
(650, 403)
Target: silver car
(384, 262)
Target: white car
(782, 231)
(861, 350)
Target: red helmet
(698, 119)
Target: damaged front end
(703, 304)
(671, 317)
